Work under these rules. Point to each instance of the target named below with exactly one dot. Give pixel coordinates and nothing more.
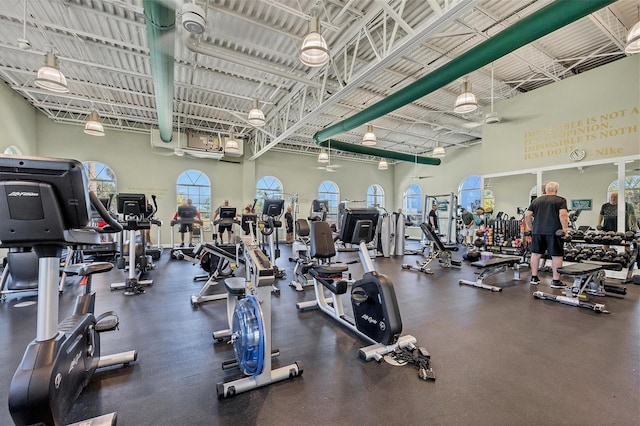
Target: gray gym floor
(500, 358)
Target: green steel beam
(546, 20)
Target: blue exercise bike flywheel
(248, 336)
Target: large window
(375, 196)
(329, 191)
(195, 185)
(412, 202)
(102, 179)
(268, 187)
(469, 194)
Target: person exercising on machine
(221, 227)
(187, 212)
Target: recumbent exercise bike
(373, 300)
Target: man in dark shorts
(546, 215)
(187, 213)
(222, 228)
(433, 218)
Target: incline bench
(493, 266)
(439, 251)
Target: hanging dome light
(383, 165)
(93, 125)
(633, 40)
(438, 151)
(50, 77)
(256, 116)
(369, 138)
(314, 51)
(231, 146)
(466, 101)
(323, 157)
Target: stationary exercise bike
(250, 331)
(376, 313)
(44, 204)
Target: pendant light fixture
(633, 38)
(466, 101)
(323, 157)
(50, 77)
(383, 165)
(314, 51)
(256, 116)
(93, 125)
(369, 138)
(438, 151)
(231, 146)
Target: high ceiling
(250, 50)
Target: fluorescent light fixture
(633, 40)
(314, 51)
(323, 157)
(383, 165)
(50, 77)
(369, 138)
(466, 101)
(93, 125)
(256, 116)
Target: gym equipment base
(584, 275)
(491, 267)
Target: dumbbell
(564, 237)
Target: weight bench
(493, 266)
(583, 275)
(438, 251)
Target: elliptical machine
(44, 204)
(136, 214)
(375, 308)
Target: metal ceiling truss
(305, 104)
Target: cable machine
(447, 211)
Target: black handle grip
(114, 225)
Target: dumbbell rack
(623, 276)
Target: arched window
(102, 179)
(12, 150)
(412, 202)
(469, 194)
(329, 191)
(375, 196)
(268, 187)
(631, 193)
(195, 185)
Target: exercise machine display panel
(273, 208)
(67, 177)
(133, 204)
(358, 225)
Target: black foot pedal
(108, 321)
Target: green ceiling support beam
(546, 20)
(361, 149)
(160, 21)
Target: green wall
(16, 121)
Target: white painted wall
(139, 169)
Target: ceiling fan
(415, 170)
(328, 167)
(491, 117)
